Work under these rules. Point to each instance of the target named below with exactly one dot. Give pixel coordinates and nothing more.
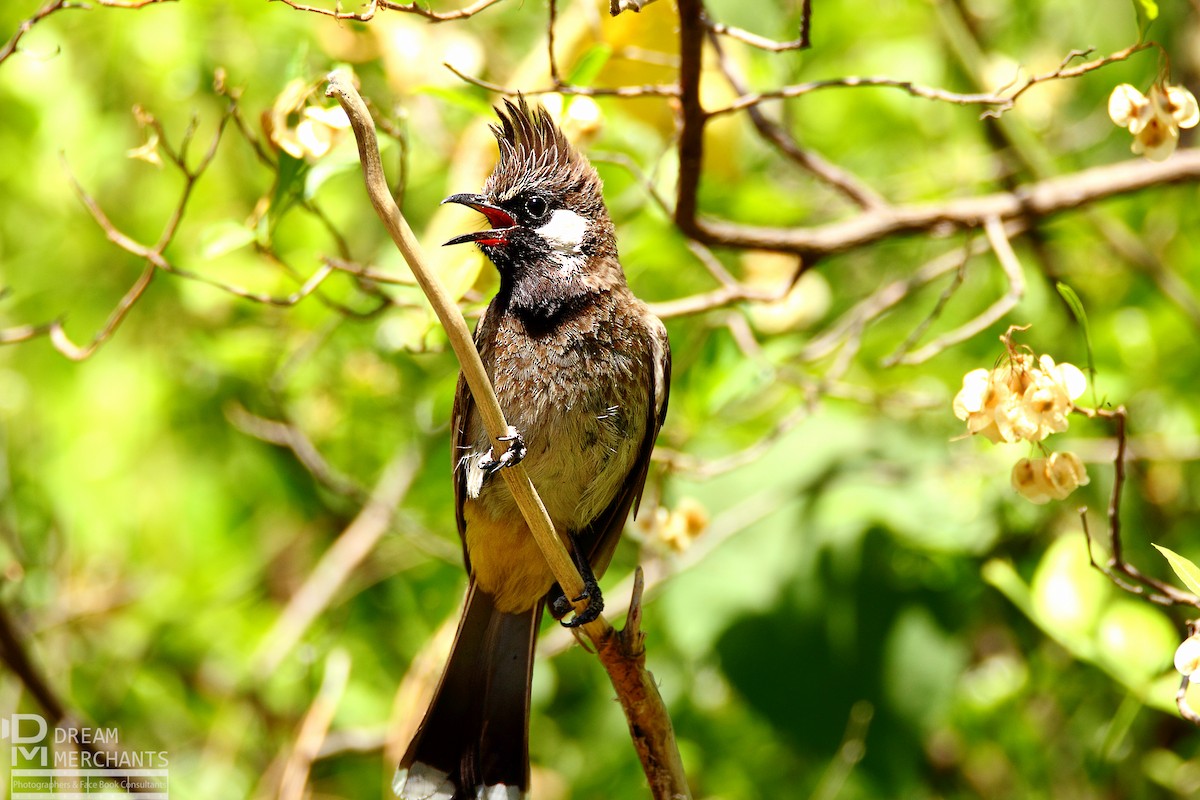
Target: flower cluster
(1154, 120)
(677, 528)
(1019, 401)
(1041, 480)
(299, 127)
(1026, 399)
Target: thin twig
(408, 8)
(1015, 279)
(1139, 583)
(649, 90)
(704, 469)
(315, 726)
(53, 6)
(336, 565)
(762, 42)
(855, 320)
(1185, 709)
(287, 434)
(1063, 72)
(855, 82)
(717, 298)
(1031, 201)
(1000, 100)
(836, 177)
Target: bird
(582, 370)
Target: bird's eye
(536, 207)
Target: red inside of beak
(496, 217)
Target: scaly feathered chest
(578, 392)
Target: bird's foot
(513, 455)
(560, 606)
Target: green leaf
(289, 186)
(1187, 571)
(588, 67)
(1146, 12)
(224, 237)
(1076, 306)
(462, 98)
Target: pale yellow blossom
(677, 528)
(977, 402)
(1041, 480)
(1187, 656)
(1154, 119)
(1018, 401)
(301, 129)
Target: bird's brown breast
(578, 393)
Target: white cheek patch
(564, 231)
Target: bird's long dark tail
(474, 740)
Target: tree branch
(1032, 201)
(408, 8)
(1134, 580)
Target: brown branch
(54, 6)
(1117, 569)
(691, 116)
(650, 90)
(16, 657)
(375, 5)
(1185, 709)
(1001, 101)
(624, 655)
(855, 320)
(1015, 279)
(1034, 200)
(838, 178)
(1028, 202)
(286, 434)
(335, 567)
(858, 81)
(1064, 72)
(762, 42)
(625, 664)
(315, 726)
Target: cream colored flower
(1041, 480)
(1050, 397)
(1018, 401)
(1187, 656)
(677, 528)
(302, 130)
(977, 402)
(1153, 120)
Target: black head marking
(535, 155)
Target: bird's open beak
(502, 223)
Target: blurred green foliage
(872, 612)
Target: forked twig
(1117, 569)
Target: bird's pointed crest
(534, 151)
